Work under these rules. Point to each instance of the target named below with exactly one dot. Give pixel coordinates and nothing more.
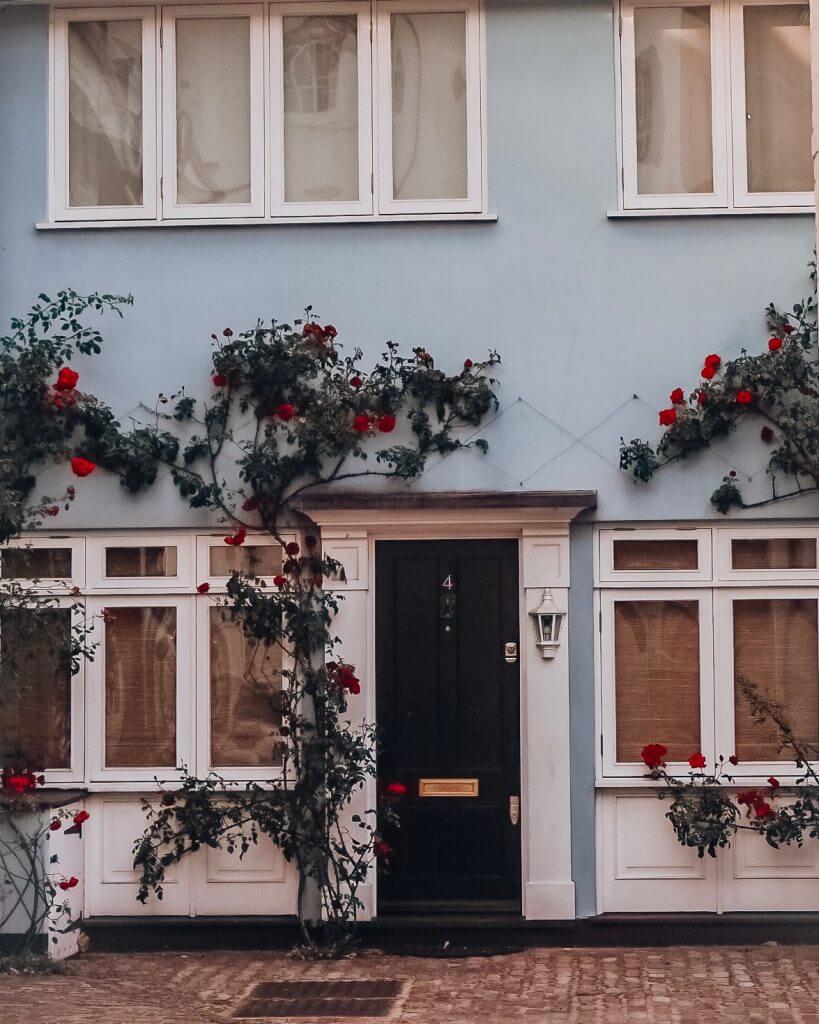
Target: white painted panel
(263, 862)
(352, 553)
(643, 850)
(545, 561)
(260, 883)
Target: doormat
(320, 999)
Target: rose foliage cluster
(289, 411)
(777, 388)
(706, 815)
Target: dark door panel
(448, 708)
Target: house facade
(604, 194)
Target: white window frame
(632, 198)
(364, 204)
(97, 546)
(171, 208)
(742, 197)
(59, 92)
(608, 574)
(609, 766)
(382, 12)
(204, 763)
(724, 674)
(185, 703)
(58, 585)
(724, 570)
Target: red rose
(356, 381)
(668, 417)
(292, 549)
(382, 849)
(763, 809)
(203, 588)
(81, 466)
(52, 510)
(766, 434)
(330, 331)
(702, 398)
(744, 397)
(708, 372)
(468, 364)
(774, 344)
(228, 333)
(314, 330)
(386, 424)
(219, 380)
(677, 396)
(749, 797)
(280, 581)
(19, 782)
(310, 542)
(713, 361)
(238, 538)
(285, 411)
(318, 580)
(80, 817)
(787, 329)
(361, 423)
(55, 824)
(250, 505)
(734, 759)
(772, 782)
(69, 883)
(66, 379)
(653, 755)
(696, 761)
(395, 789)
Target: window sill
(221, 222)
(753, 211)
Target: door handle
(514, 809)
(510, 653)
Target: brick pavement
(679, 985)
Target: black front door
(448, 707)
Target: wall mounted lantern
(547, 619)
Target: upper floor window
(716, 104)
(267, 111)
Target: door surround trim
(349, 533)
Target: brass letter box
(447, 787)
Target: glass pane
(673, 96)
(213, 110)
(35, 563)
(245, 681)
(429, 105)
(657, 677)
(159, 561)
(140, 687)
(251, 559)
(35, 672)
(655, 554)
(105, 113)
(781, 553)
(776, 648)
(777, 98)
(321, 108)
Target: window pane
(321, 108)
(655, 554)
(657, 677)
(780, 553)
(35, 563)
(252, 559)
(105, 113)
(673, 82)
(35, 670)
(429, 106)
(245, 681)
(775, 647)
(777, 98)
(159, 561)
(213, 110)
(140, 687)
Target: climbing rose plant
(288, 412)
(777, 389)
(707, 816)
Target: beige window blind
(35, 563)
(140, 561)
(634, 555)
(777, 553)
(251, 559)
(657, 677)
(775, 647)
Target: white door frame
(349, 535)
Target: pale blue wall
(585, 311)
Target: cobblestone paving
(680, 985)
